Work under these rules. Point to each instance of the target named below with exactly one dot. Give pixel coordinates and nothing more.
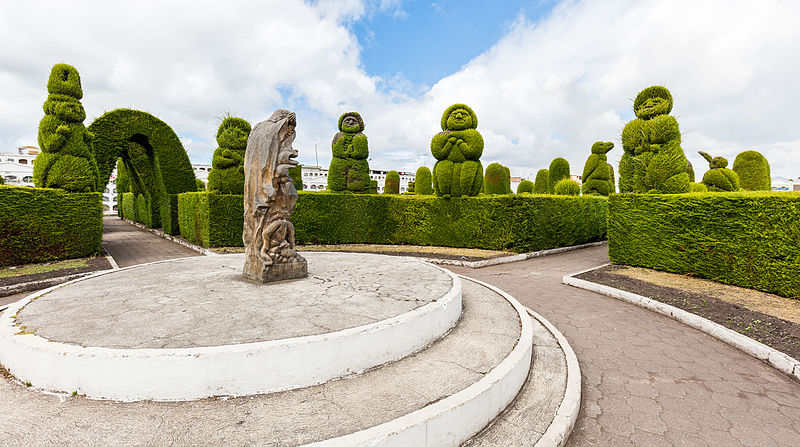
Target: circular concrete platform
(192, 328)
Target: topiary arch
(155, 161)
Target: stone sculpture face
(269, 198)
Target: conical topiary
(597, 177)
(525, 186)
(559, 170)
(542, 179)
(392, 183)
(422, 182)
(227, 165)
(753, 171)
(719, 178)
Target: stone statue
(269, 198)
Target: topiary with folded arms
(227, 165)
(598, 177)
(458, 148)
(719, 178)
(66, 161)
(349, 169)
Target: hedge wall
(518, 223)
(38, 225)
(746, 239)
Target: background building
(315, 178)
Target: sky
(546, 78)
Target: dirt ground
(461, 254)
(36, 272)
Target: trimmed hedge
(748, 239)
(567, 187)
(392, 183)
(525, 186)
(227, 164)
(542, 179)
(753, 171)
(422, 182)
(519, 223)
(38, 225)
(495, 181)
(559, 170)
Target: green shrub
(507, 179)
(540, 185)
(748, 239)
(296, 173)
(690, 171)
(349, 170)
(2, 181)
(154, 159)
(753, 171)
(201, 186)
(458, 148)
(123, 181)
(525, 186)
(211, 219)
(559, 170)
(66, 161)
(227, 165)
(718, 177)
(598, 176)
(495, 179)
(422, 182)
(697, 187)
(373, 187)
(392, 183)
(42, 224)
(567, 187)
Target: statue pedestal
(255, 270)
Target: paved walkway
(647, 379)
(129, 245)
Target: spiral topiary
(653, 160)
(422, 182)
(66, 161)
(541, 182)
(392, 183)
(567, 187)
(719, 178)
(349, 170)
(559, 169)
(525, 186)
(495, 179)
(753, 171)
(227, 165)
(458, 148)
(597, 177)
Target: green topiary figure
(525, 186)
(373, 187)
(458, 148)
(597, 177)
(66, 161)
(201, 185)
(697, 187)
(507, 180)
(495, 179)
(653, 160)
(559, 170)
(718, 178)
(392, 183)
(296, 173)
(422, 182)
(567, 187)
(753, 171)
(349, 169)
(541, 182)
(227, 166)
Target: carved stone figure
(269, 198)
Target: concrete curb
(169, 237)
(560, 429)
(512, 258)
(773, 357)
(41, 284)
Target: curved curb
(773, 357)
(179, 374)
(456, 418)
(560, 429)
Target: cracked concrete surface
(487, 332)
(202, 301)
(647, 379)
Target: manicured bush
(410, 188)
(422, 182)
(559, 170)
(2, 181)
(748, 239)
(540, 185)
(567, 187)
(66, 161)
(201, 186)
(349, 170)
(227, 165)
(653, 161)
(697, 187)
(525, 186)
(373, 187)
(392, 183)
(495, 179)
(598, 177)
(753, 171)
(296, 173)
(211, 219)
(458, 148)
(507, 180)
(42, 224)
(718, 177)
(123, 181)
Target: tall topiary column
(458, 148)
(227, 166)
(66, 161)
(753, 171)
(719, 178)
(598, 177)
(422, 182)
(525, 186)
(495, 179)
(507, 180)
(392, 183)
(540, 185)
(653, 160)
(349, 170)
(559, 170)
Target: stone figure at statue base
(269, 198)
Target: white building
(315, 178)
(201, 171)
(785, 184)
(16, 168)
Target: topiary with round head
(567, 187)
(349, 170)
(559, 170)
(597, 176)
(392, 183)
(719, 178)
(458, 148)
(542, 179)
(753, 171)
(652, 101)
(422, 182)
(227, 165)
(525, 187)
(494, 180)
